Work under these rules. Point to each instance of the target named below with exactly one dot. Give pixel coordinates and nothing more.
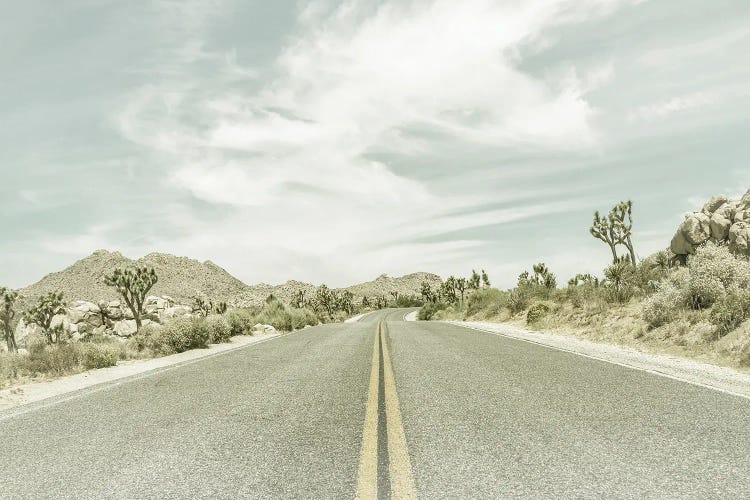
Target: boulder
(174, 312)
(125, 328)
(84, 307)
(739, 239)
(680, 245)
(713, 204)
(265, 329)
(23, 330)
(745, 200)
(720, 227)
(696, 228)
(76, 316)
(60, 320)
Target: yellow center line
(399, 465)
(367, 486)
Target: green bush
(484, 299)
(730, 310)
(536, 313)
(284, 318)
(240, 322)
(179, 335)
(621, 281)
(428, 310)
(661, 307)
(518, 300)
(218, 329)
(97, 356)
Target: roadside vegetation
(698, 306)
(53, 351)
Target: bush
(621, 281)
(730, 310)
(430, 309)
(179, 335)
(218, 329)
(240, 322)
(661, 307)
(518, 299)
(485, 299)
(98, 356)
(536, 313)
(283, 318)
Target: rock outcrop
(722, 221)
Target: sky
(332, 142)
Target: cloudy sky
(334, 141)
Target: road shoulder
(21, 395)
(702, 374)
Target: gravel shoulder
(21, 395)
(701, 374)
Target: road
(424, 410)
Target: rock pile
(722, 221)
(83, 318)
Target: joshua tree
(202, 307)
(461, 285)
(427, 294)
(47, 307)
(221, 308)
(133, 285)
(448, 290)
(7, 314)
(365, 302)
(325, 299)
(583, 279)
(542, 277)
(485, 279)
(616, 229)
(345, 301)
(298, 299)
(475, 280)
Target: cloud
(297, 150)
(678, 104)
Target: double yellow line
(399, 466)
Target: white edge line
(647, 370)
(54, 400)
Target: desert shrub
(536, 313)
(661, 307)
(711, 272)
(621, 281)
(284, 318)
(97, 356)
(429, 310)
(518, 299)
(54, 360)
(240, 322)
(484, 299)
(218, 329)
(179, 335)
(729, 311)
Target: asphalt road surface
(383, 408)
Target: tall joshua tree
(133, 285)
(7, 314)
(616, 229)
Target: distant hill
(183, 278)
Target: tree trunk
(10, 338)
(614, 253)
(632, 251)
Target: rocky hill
(721, 220)
(182, 279)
